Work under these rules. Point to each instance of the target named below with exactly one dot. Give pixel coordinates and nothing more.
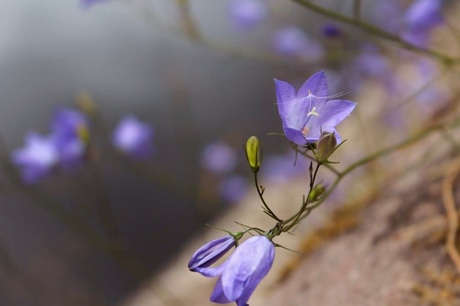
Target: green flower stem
(376, 31)
(261, 196)
(292, 221)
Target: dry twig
(452, 216)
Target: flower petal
(333, 112)
(284, 94)
(217, 295)
(316, 85)
(250, 262)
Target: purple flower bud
(243, 271)
(210, 253)
(37, 158)
(248, 13)
(307, 113)
(134, 138)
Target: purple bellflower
(210, 253)
(308, 113)
(248, 13)
(37, 158)
(420, 18)
(70, 130)
(240, 274)
(134, 138)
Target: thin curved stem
(261, 196)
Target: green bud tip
(316, 193)
(253, 152)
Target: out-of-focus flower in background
(247, 14)
(37, 158)
(219, 157)
(88, 3)
(331, 30)
(420, 18)
(233, 188)
(134, 138)
(292, 41)
(70, 130)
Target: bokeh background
(202, 76)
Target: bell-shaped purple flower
(70, 130)
(308, 112)
(134, 138)
(37, 158)
(243, 271)
(210, 253)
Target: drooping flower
(240, 274)
(248, 13)
(420, 18)
(70, 130)
(291, 41)
(218, 157)
(307, 113)
(134, 138)
(210, 253)
(37, 158)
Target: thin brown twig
(452, 216)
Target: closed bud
(254, 153)
(325, 147)
(316, 193)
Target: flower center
(305, 131)
(313, 112)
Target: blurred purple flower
(134, 138)
(70, 130)
(37, 158)
(233, 188)
(420, 18)
(218, 157)
(371, 64)
(307, 113)
(331, 30)
(248, 13)
(210, 253)
(240, 274)
(292, 41)
(88, 3)
(282, 168)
